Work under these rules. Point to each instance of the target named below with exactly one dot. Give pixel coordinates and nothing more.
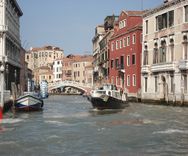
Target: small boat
(108, 97)
(28, 102)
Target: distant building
(101, 50)
(79, 68)
(165, 52)
(43, 73)
(57, 70)
(67, 67)
(38, 57)
(10, 46)
(99, 34)
(125, 52)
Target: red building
(125, 52)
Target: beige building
(43, 73)
(165, 52)
(79, 68)
(38, 57)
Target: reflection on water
(69, 126)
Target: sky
(70, 24)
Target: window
(134, 80)
(128, 41)
(146, 84)
(122, 62)
(120, 44)
(156, 84)
(112, 63)
(134, 39)
(186, 13)
(171, 48)
(165, 20)
(112, 46)
(146, 26)
(185, 83)
(171, 18)
(124, 42)
(155, 54)
(172, 83)
(117, 44)
(163, 52)
(128, 60)
(133, 59)
(185, 47)
(117, 63)
(145, 61)
(128, 80)
(122, 24)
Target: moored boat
(28, 103)
(108, 97)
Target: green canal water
(68, 126)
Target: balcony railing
(166, 66)
(145, 69)
(183, 64)
(3, 28)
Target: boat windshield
(109, 87)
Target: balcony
(145, 69)
(183, 64)
(161, 67)
(120, 68)
(3, 28)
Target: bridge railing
(72, 83)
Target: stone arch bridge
(82, 87)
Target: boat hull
(28, 103)
(108, 102)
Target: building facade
(67, 67)
(57, 70)
(165, 51)
(10, 44)
(43, 73)
(79, 68)
(125, 52)
(99, 34)
(38, 57)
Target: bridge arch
(63, 84)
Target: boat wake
(11, 121)
(171, 131)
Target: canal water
(68, 126)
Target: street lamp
(2, 68)
(7, 72)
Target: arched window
(155, 53)
(163, 51)
(185, 47)
(145, 55)
(171, 48)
